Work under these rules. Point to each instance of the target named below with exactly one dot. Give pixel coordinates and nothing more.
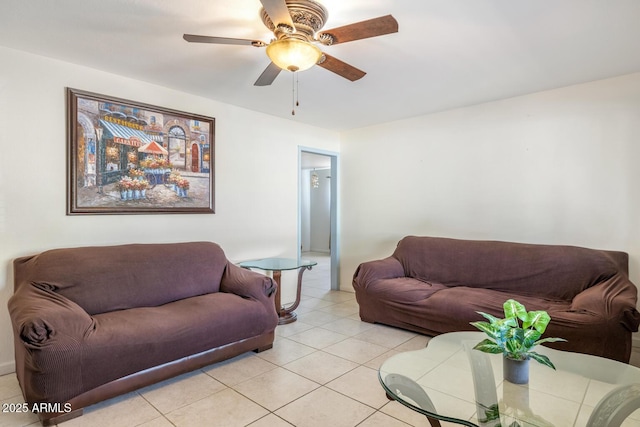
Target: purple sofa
(435, 285)
(94, 322)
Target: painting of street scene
(129, 158)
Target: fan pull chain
(295, 92)
(297, 89)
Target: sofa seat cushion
(451, 315)
(437, 308)
(591, 332)
(128, 341)
(441, 311)
(403, 290)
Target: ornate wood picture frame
(126, 157)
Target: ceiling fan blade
(342, 69)
(363, 29)
(268, 75)
(278, 12)
(222, 40)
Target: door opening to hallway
(317, 209)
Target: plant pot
(515, 371)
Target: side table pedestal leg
(286, 314)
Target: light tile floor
(322, 371)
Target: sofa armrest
(41, 317)
(615, 297)
(49, 331)
(247, 284)
(367, 272)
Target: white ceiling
(447, 53)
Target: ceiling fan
(296, 25)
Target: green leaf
(488, 346)
(509, 322)
(513, 308)
(530, 338)
(511, 350)
(488, 316)
(515, 334)
(496, 328)
(542, 359)
(514, 349)
(550, 340)
(486, 328)
(538, 320)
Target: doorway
(195, 158)
(318, 207)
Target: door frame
(333, 210)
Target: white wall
(256, 173)
(557, 167)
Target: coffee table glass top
(278, 264)
(449, 381)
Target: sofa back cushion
(108, 278)
(558, 272)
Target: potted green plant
(515, 336)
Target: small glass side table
(277, 266)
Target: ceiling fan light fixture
(293, 54)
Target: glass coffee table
(449, 381)
(277, 266)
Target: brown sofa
(94, 322)
(435, 285)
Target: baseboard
(321, 251)
(7, 368)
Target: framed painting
(125, 157)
